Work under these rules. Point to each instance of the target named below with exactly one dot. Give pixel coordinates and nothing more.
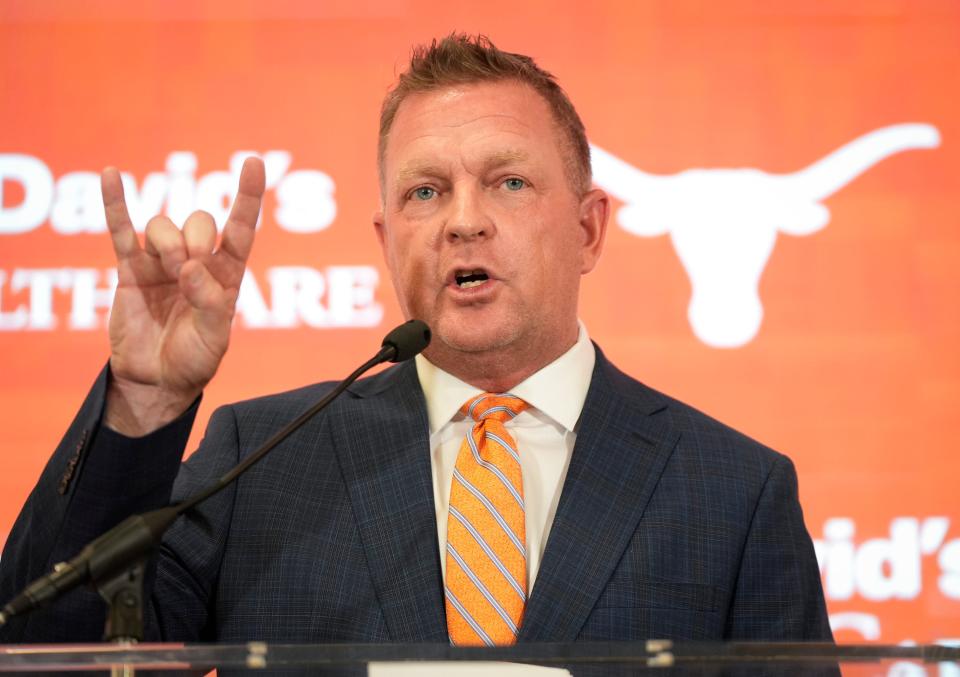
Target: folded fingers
(166, 241)
(199, 234)
(212, 304)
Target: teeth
(466, 279)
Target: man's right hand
(175, 299)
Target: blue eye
(424, 193)
(514, 184)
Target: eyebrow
(504, 157)
(493, 161)
(414, 169)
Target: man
(512, 485)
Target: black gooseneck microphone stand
(115, 562)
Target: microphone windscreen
(407, 340)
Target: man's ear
(594, 213)
(378, 227)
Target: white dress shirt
(545, 434)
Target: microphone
(119, 548)
(407, 340)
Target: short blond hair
(462, 59)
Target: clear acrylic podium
(654, 657)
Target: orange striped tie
(486, 585)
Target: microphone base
(123, 593)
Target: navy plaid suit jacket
(670, 525)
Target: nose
(468, 219)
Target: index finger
(122, 235)
(238, 232)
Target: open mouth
(466, 279)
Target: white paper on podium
(461, 669)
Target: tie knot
(497, 406)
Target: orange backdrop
(705, 114)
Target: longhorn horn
(825, 177)
(621, 179)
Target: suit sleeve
(94, 479)
(778, 595)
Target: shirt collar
(558, 390)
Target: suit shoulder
(284, 406)
(700, 433)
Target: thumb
(212, 305)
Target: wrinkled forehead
(498, 122)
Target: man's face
(484, 235)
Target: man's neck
(496, 371)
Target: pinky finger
(122, 234)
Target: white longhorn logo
(723, 222)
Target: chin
(474, 338)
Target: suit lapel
(382, 445)
(621, 450)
